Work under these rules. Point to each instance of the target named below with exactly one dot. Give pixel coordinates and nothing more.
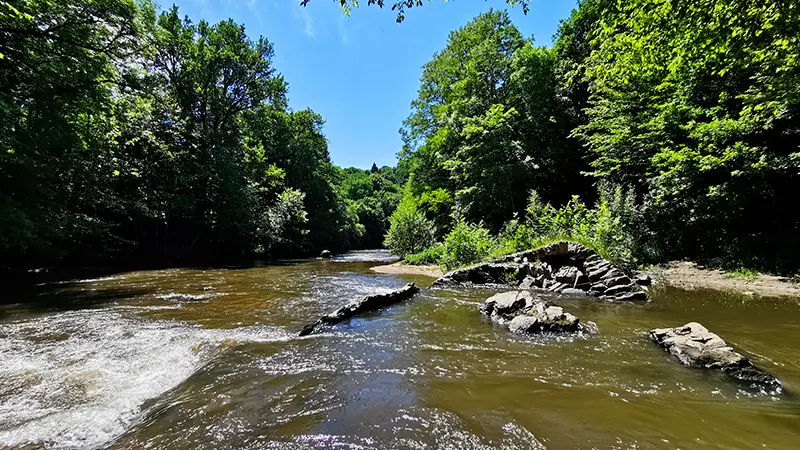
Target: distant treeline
(136, 136)
(678, 121)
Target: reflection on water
(185, 359)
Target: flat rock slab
(567, 268)
(367, 304)
(527, 314)
(695, 346)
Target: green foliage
(743, 273)
(410, 232)
(131, 134)
(486, 128)
(373, 195)
(603, 228)
(430, 256)
(695, 107)
(692, 108)
(466, 244)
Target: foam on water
(79, 379)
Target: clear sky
(361, 72)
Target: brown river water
(210, 359)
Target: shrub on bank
(466, 244)
(410, 232)
(430, 256)
(609, 229)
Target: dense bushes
(609, 228)
(467, 243)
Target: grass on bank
(743, 273)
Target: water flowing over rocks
(567, 268)
(695, 346)
(526, 314)
(179, 297)
(366, 304)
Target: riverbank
(682, 274)
(408, 269)
(689, 275)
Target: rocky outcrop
(326, 254)
(524, 313)
(367, 304)
(568, 268)
(695, 346)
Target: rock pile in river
(525, 313)
(568, 268)
(362, 306)
(695, 346)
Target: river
(210, 359)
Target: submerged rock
(695, 346)
(525, 313)
(365, 305)
(567, 268)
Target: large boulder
(566, 268)
(525, 313)
(695, 346)
(506, 305)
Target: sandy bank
(407, 269)
(689, 275)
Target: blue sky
(361, 72)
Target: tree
(148, 138)
(487, 127)
(696, 108)
(410, 231)
(373, 194)
(59, 68)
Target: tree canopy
(687, 111)
(488, 126)
(134, 134)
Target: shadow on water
(68, 290)
(67, 297)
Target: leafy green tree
(60, 67)
(144, 136)
(695, 107)
(410, 231)
(488, 126)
